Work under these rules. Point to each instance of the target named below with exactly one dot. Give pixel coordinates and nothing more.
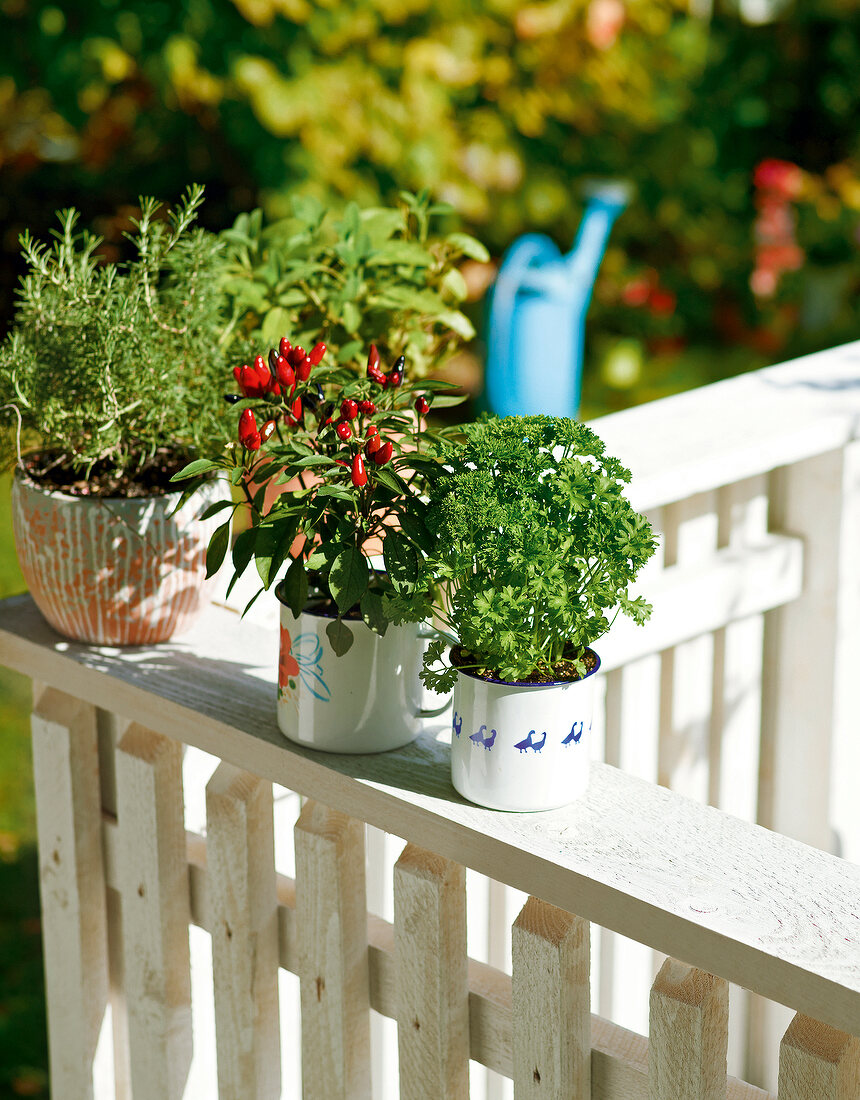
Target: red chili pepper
(286, 374)
(372, 361)
(372, 446)
(266, 431)
(297, 409)
(344, 431)
(394, 378)
(367, 407)
(285, 347)
(249, 381)
(316, 354)
(296, 355)
(263, 373)
(248, 435)
(422, 406)
(384, 454)
(303, 370)
(349, 409)
(372, 430)
(359, 474)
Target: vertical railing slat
(243, 917)
(432, 976)
(818, 1062)
(687, 669)
(736, 715)
(153, 875)
(551, 1004)
(110, 729)
(331, 918)
(688, 1034)
(72, 885)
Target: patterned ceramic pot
(368, 700)
(521, 746)
(112, 571)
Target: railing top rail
(731, 430)
(724, 895)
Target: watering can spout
(606, 200)
(537, 314)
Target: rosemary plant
(109, 368)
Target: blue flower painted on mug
(300, 659)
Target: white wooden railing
(742, 692)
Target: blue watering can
(537, 313)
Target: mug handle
(425, 713)
(425, 633)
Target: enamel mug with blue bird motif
(521, 746)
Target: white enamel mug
(521, 746)
(368, 700)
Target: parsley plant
(535, 546)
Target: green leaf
(349, 351)
(217, 549)
(335, 492)
(273, 547)
(253, 600)
(400, 253)
(195, 468)
(348, 578)
(401, 559)
(340, 637)
(389, 479)
(243, 549)
(215, 508)
(276, 324)
(308, 209)
(350, 316)
(372, 613)
(416, 529)
(294, 587)
(456, 284)
(468, 246)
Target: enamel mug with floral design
(368, 700)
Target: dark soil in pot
(563, 671)
(57, 474)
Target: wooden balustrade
(742, 692)
(743, 903)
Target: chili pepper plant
(353, 452)
(534, 547)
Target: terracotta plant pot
(521, 746)
(112, 571)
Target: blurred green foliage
(377, 275)
(499, 108)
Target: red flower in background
(780, 176)
(777, 183)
